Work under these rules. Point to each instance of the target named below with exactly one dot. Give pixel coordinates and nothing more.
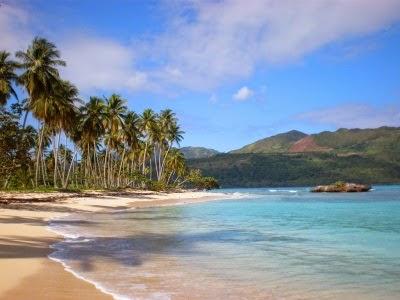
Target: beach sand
(25, 270)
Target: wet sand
(25, 269)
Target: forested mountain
(376, 141)
(294, 158)
(197, 152)
(279, 143)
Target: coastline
(26, 241)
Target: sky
(234, 71)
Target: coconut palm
(58, 112)
(116, 146)
(171, 134)
(40, 62)
(147, 124)
(58, 109)
(175, 165)
(114, 118)
(91, 130)
(40, 74)
(131, 138)
(132, 129)
(8, 77)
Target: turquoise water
(269, 244)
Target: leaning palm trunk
(144, 157)
(38, 155)
(65, 184)
(65, 160)
(44, 169)
(105, 166)
(164, 160)
(170, 176)
(55, 151)
(160, 152)
(156, 160)
(120, 167)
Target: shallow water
(273, 244)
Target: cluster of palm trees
(99, 143)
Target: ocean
(269, 243)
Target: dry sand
(25, 270)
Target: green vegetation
(97, 144)
(294, 158)
(383, 142)
(275, 144)
(297, 169)
(197, 180)
(197, 152)
(340, 185)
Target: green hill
(382, 142)
(197, 152)
(275, 144)
(294, 158)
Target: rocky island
(341, 187)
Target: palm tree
(7, 77)
(171, 134)
(148, 122)
(91, 129)
(175, 165)
(131, 136)
(41, 79)
(63, 119)
(40, 76)
(58, 112)
(114, 121)
(132, 129)
(58, 109)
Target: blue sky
(234, 71)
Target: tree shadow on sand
(133, 250)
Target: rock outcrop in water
(342, 187)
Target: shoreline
(26, 241)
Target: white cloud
(94, 63)
(214, 41)
(14, 29)
(243, 93)
(356, 115)
(207, 43)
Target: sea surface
(269, 243)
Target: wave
(74, 238)
(238, 195)
(95, 283)
(282, 191)
(70, 238)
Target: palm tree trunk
(55, 151)
(65, 160)
(165, 158)
(105, 165)
(156, 150)
(120, 167)
(44, 172)
(144, 156)
(65, 185)
(38, 155)
(159, 162)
